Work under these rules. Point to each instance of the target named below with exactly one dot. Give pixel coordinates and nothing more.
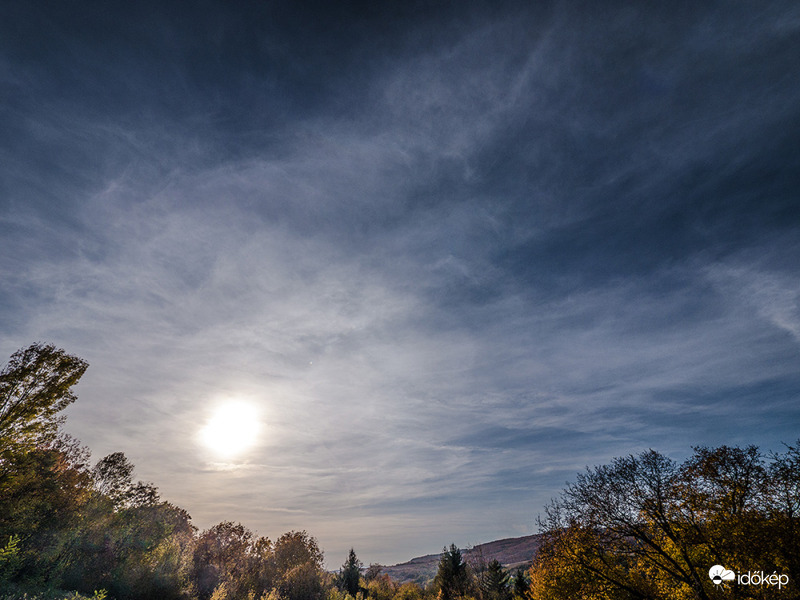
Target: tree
(114, 478)
(45, 494)
(303, 582)
(617, 526)
(646, 527)
(350, 575)
(296, 548)
(222, 555)
(452, 577)
(35, 386)
(298, 566)
(382, 587)
(373, 571)
(521, 584)
(494, 582)
(783, 507)
(9, 558)
(556, 575)
(409, 591)
(263, 562)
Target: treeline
(69, 529)
(643, 527)
(456, 579)
(68, 525)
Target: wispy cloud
(450, 271)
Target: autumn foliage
(642, 527)
(647, 527)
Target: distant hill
(511, 552)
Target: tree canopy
(35, 386)
(647, 527)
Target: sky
(451, 254)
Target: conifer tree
(350, 576)
(521, 584)
(452, 578)
(494, 582)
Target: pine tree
(494, 582)
(350, 575)
(521, 584)
(452, 578)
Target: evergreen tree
(521, 584)
(452, 578)
(494, 582)
(350, 576)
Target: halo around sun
(232, 429)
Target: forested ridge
(641, 527)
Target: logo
(718, 574)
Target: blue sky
(452, 253)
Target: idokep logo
(720, 574)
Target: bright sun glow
(232, 429)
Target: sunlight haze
(233, 428)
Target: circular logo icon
(718, 574)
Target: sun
(232, 429)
